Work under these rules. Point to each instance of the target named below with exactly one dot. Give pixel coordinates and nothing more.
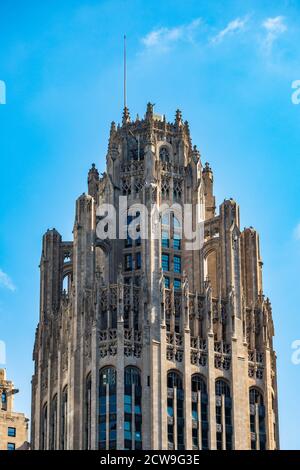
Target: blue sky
(228, 65)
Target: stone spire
(93, 180)
(178, 118)
(112, 128)
(210, 202)
(149, 112)
(196, 154)
(126, 116)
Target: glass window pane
(127, 408)
(165, 262)
(138, 261)
(177, 242)
(177, 264)
(11, 432)
(165, 239)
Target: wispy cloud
(297, 232)
(273, 27)
(163, 38)
(235, 26)
(5, 281)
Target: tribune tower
(143, 343)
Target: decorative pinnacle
(149, 112)
(207, 167)
(126, 116)
(93, 173)
(178, 117)
(112, 128)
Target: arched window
(102, 264)
(210, 270)
(64, 420)
(66, 287)
(88, 390)
(44, 426)
(164, 155)
(257, 420)
(199, 413)
(53, 424)
(223, 415)
(175, 411)
(132, 409)
(107, 408)
(3, 401)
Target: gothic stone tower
(144, 342)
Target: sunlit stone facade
(13, 425)
(146, 343)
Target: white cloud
(297, 232)
(5, 281)
(163, 38)
(274, 27)
(235, 26)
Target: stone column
(187, 389)
(95, 367)
(120, 367)
(211, 390)
(269, 418)
(58, 421)
(163, 388)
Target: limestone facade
(13, 425)
(146, 343)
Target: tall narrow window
(199, 413)
(165, 262)
(177, 241)
(177, 264)
(132, 409)
(165, 239)
(257, 420)
(44, 428)
(138, 260)
(64, 420)
(88, 390)
(107, 409)
(210, 271)
(3, 401)
(53, 424)
(165, 230)
(223, 416)
(128, 262)
(175, 411)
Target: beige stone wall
(9, 418)
(17, 421)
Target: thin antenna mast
(125, 71)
